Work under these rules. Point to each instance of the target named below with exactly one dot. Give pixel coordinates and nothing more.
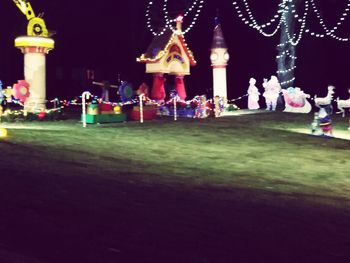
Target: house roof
(161, 44)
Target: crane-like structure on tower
(36, 24)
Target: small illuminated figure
(343, 104)
(326, 102)
(219, 106)
(201, 109)
(271, 94)
(315, 125)
(325, 122)
(253, 95)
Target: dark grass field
(234, 189)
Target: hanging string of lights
(329, 32)
(196, 5)
(288, 9)
(286, 53)
(251, 21)
(149, 22)
(294, 39)
(293, 10)
(169, 21)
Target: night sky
(107, 36)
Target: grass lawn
(233, 189)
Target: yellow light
(33, 41)
(3, 132)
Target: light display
(168, 21)
(286, 12)
(279, 19)
(168, 54)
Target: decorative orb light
(3, 133)
(117, 109)
(42, 115)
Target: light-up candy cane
(175, 111)
(84, 96)
(141, 96)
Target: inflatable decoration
(126, 92)
(296, 100)
(253, 95)
(21, 90)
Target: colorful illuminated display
(168, 54)
(34, 46)
(36, 25)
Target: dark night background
(107, 36)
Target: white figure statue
(253, 95)
(325, 102)
(296, 100)
(272, 90)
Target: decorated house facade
(168, 53)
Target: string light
(328, 32)
(251, 21)
(285, 53)
(284, 9)
(286, 71)
(168, 22)
(200, 4)
(288, 9)
(291, 39)
(287, 81)
(148, 19)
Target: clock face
(213, 57)
(226, 56)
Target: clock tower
(219, 58)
